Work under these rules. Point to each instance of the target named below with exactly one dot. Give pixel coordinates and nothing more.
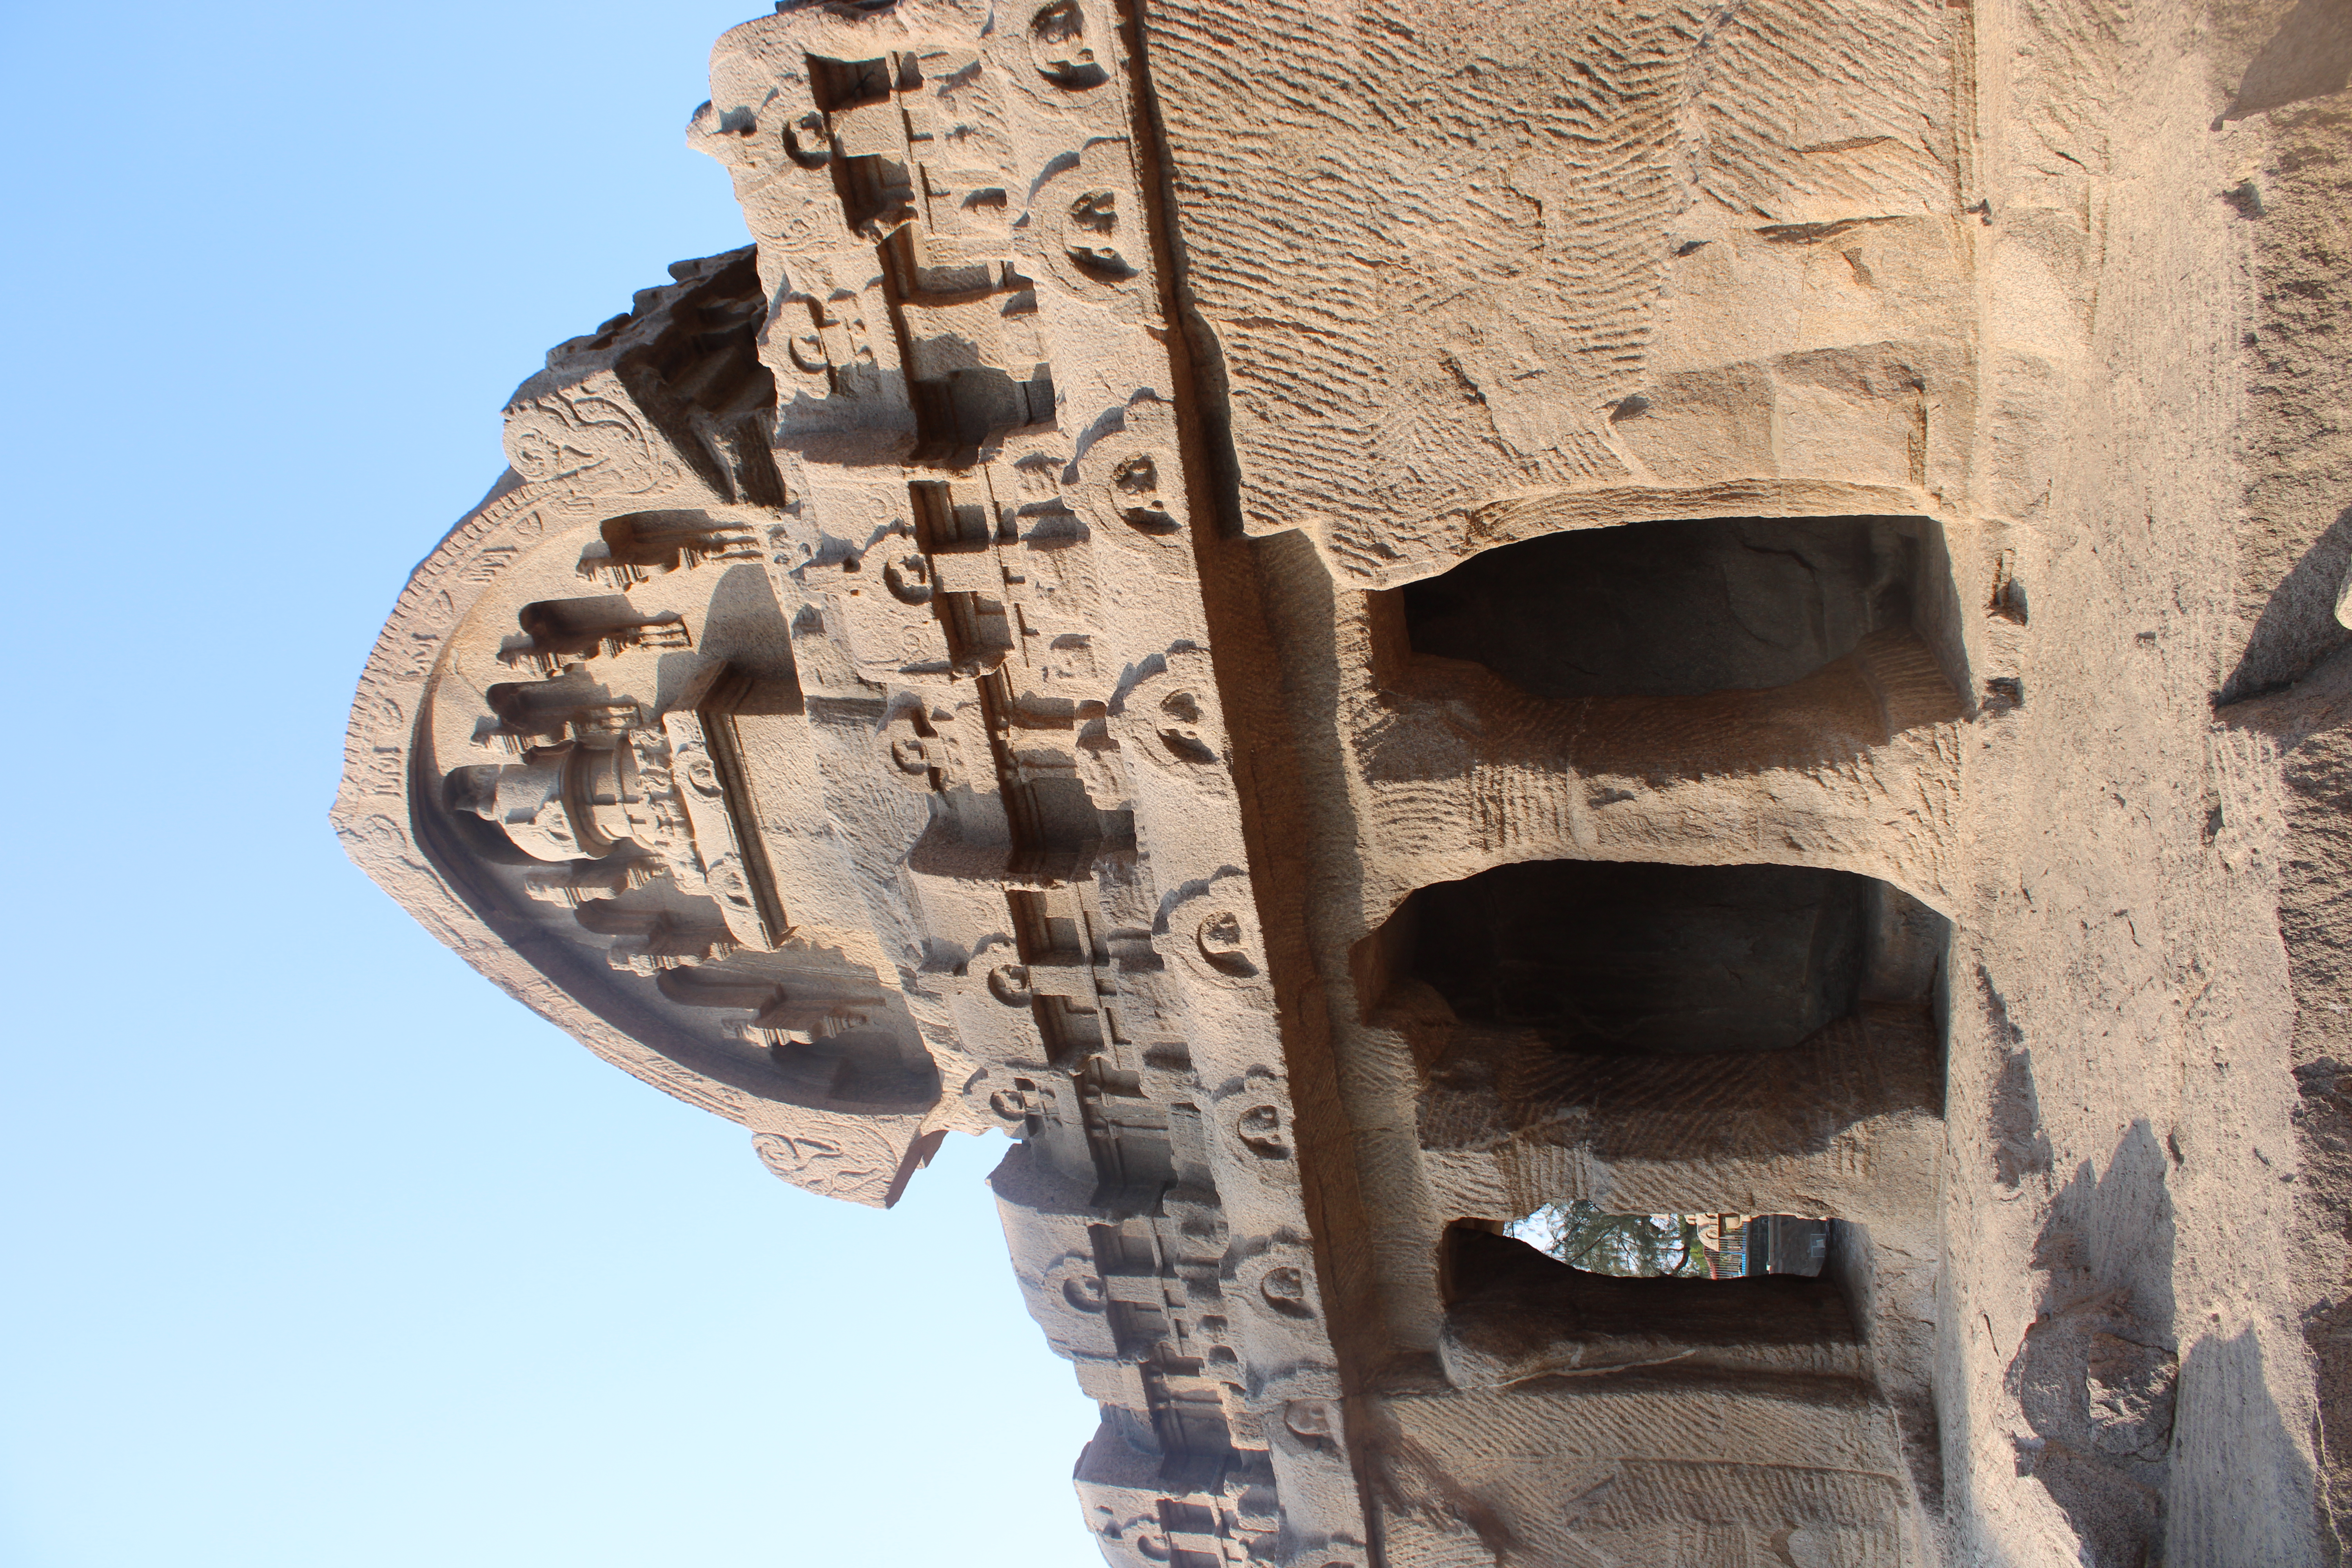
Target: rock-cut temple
(1424, 645)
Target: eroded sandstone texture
(1352, 620)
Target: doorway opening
(1685, 608)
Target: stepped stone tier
(1353, 620)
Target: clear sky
(320, 1252)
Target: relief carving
(752, 911)
(577, 885)
(1090, 234)
(670, 395)
(924, 759)
(664, 942)
(568, 802)
(637, 547)
(893, 834)
(1133, 479)
(1059, 47)
(559, 633)
(1256, 1120)
(579, 441)
(1222, 940)
(946, 825)
(856, 1164)
(1077, 1283)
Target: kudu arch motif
(1340, 674)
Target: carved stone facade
(1352, 623)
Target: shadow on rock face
(2310, 56)
(2310, 725)
(2098, 1374)
(2298, 627)
(2243, 1488)
(2154, 1456)
(2020, 1148)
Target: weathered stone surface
(1349, 621)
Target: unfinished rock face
(1350, 622)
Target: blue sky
(319, 1250)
